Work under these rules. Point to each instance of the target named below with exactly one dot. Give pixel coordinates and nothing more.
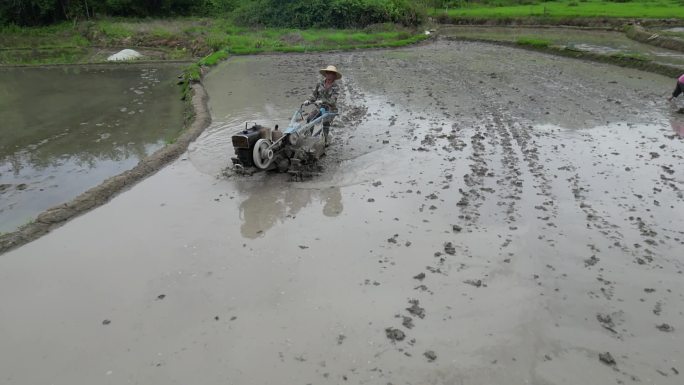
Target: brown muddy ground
(486, 216)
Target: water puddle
(66, 129)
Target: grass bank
(640, 9)
(180, 39)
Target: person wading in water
(325, 95)
(679, 88)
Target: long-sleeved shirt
(327, 96)
(679, 88)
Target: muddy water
(602, 42)
(512, 218)
(65, 130)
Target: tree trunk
(64, 9)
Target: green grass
(246, 41)
(55, 36)
(573, 8)
(161, 33)
(211, 39)
(114, 30)
(38, 56)
(533, 42)
(214, 58)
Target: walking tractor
(295, 149)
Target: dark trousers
(326, 121)
(678, 90)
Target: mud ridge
(101, 194)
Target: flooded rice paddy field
(595, 41)
(65, 130)
(486, 215)
(676, 31)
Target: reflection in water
(333, 202)
(259, 90)
(271, 201)
(66, 129)
(677, 123)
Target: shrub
(328, 13)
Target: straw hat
(331, 69)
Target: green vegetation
(59, 35)
(182, 39)
(43, 56)
(329, 13)
(214, 58)
(630, 56)
(272, 13)
(43, 12)
(563, 9)
(533, 42)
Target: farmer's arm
(314, 94)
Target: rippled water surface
(64, 130)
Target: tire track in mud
(514, 144)
(495, 137)
(504, 158)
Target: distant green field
(573, 8)
(68, 43)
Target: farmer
(325, 94)
(678, 89)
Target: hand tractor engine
(295, 149)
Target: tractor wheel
(263, 156)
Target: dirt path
(487, 216)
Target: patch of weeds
(114, 30)
(533, 42)
(43, 56)
(214, 58)
(216, 41)
(193, 72)
(161, 33)
(178, 54)
(54, 36)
